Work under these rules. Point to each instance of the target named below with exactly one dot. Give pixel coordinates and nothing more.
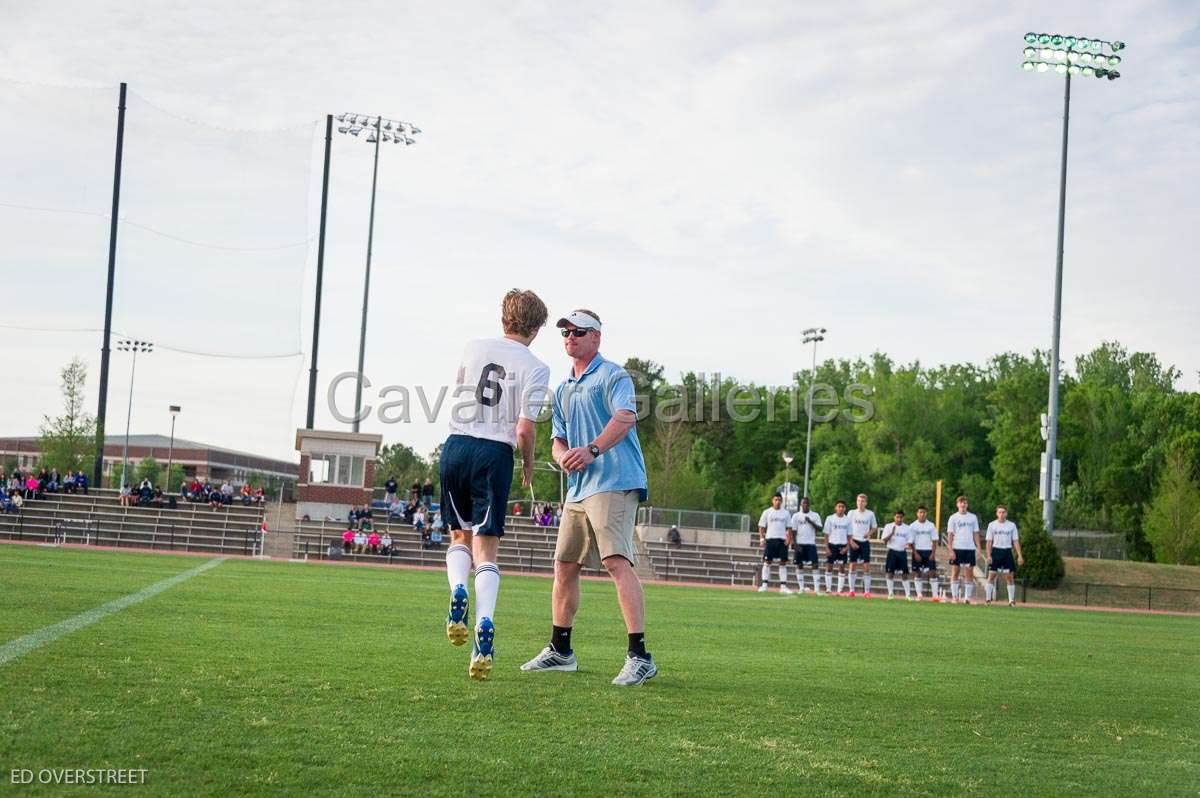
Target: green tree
(1044, 568)
(398, 461)
(69, 440)
(1173, 520)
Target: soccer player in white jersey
(1001, 541)
(865, 525)
(898, 536)
(804, 526)
(962, 531)
(837, 531)
(924, 559)
(500, 390)
(773, 539)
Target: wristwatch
(594, 449)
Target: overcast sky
(709, 177)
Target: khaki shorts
(602, 522)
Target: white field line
(21, 646)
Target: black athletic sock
(560, 640)
(637, 645)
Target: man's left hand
(576, 459)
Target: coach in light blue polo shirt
(596, 443)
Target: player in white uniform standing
(899, 538)
(773, 539)
(865, 525)
(1001, 540)
(962, 530)
(837, 534)
(924, 560)
(500, 391)
(804, 526)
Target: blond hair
(522, 312)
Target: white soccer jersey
(837, 530)
(775, 522)
(924, 533)
(898, 536)
(1002, 535)
(499, 381)
(806, 533)
(863, 520)
(961, 529)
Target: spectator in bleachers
(195, 490)
(213, 496)
(44, 479)
(6, 503)
(81, 482)
(516, 510)
(145, 493)
(546, 518)
(438, 524)
(673, 536)
(360, 542)
(373, 542)
(247, 495)
(259, 496)
(414, 493)
(385, 544)
(68, 482)
(348, 541)
(54, 482)
(427, 492)
(126, 495)
(419, 518)
(390, 487)
(226, 492)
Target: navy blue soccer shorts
(476, 475)
(964, 557)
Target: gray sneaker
(551, 660)
(636, 671)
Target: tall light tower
(380, 130)
(813, 335)
(135, 347)
(1069, 56)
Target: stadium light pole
(1068, 56)
(787, 479)
(127, 345)
(381, 131)
(813, 335)
(105, 351)
(174, 411)
(312, 369)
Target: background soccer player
(962, 531)
(509, 386)
(924, 560)
(773, 540)
(837, 531)
(1001, 540)
(865, 525)
(804, 525)
(899, 539)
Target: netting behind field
(213, 241)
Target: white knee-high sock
(934, 586)
(988, 590)
(783, 576)
(1012, 591)
(969, 587)
(841, 583)
(487, 586)
(829, 581)
(816, 583)
(890, 586)
(458, 565)
(867, 582)
(907, 589)
(920, 586)
(766, 573)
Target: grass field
(267, 677)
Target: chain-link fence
(693, 519)
(1090, 543)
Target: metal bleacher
(725, 565)
(99, 519)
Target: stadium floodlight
(1031, 38)
(1072, 56)
(375, 125)
(135, 347)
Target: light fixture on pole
(174, 411)
(813, 335)
(381, 130)
(127, 345)
(1067, 56)
(787, 480)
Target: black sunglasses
(577, 332)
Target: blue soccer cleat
(456, 618)
(482, 649)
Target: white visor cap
(577, 318)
